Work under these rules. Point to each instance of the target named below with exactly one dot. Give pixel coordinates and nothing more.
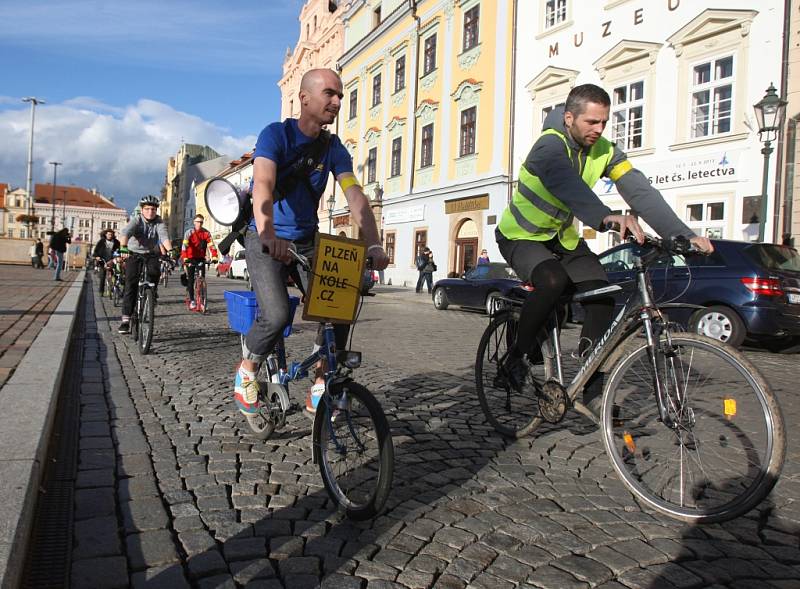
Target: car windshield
(774, 257)
(491, 271)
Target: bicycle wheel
(146, 322)
(115, 294)
(273, 403)
(511, 412)
(200, 294)
(109, 284)
(727, 447)
(354, 450)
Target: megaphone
(229, 204)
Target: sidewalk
(37, 316)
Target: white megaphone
(229, 204)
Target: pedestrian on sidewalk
(39, 253)
(484, 258)
(58, 243)
(34, 259)
(426, 267)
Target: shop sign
(341, 221)
(464, 205)
(709, 168)
(405, 215)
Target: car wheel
(440, 299)
(720, 323)
(492, 303)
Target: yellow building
(426, 115)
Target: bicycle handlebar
(678, 245)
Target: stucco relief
(469, 58)
(426, 112)
(428, 81)
(425, 176)
(399, 97)
(467, 165)
(371, 136)
(467, 93)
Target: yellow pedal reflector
(729, 408)
(629, 442)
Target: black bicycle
(144, 311)
(690, 425)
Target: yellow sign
(589, 233)
(464, 205)
(335, 284)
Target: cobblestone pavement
(173, 492)
(27, 298)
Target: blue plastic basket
(243, 310)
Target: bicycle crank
(552, 401)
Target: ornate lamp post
(331, 205)
(770, 111)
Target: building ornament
(466, 93)
(709, 23)
(549, 77)
(429, 80)
(399, 97)
(396, 125)
(469, 58)
(625, 53)
(426, 112)
(372, 135)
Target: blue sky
(125, 82)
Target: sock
(246, 374)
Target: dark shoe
(124, 327)
(516, 371)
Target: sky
(126, 82)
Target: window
(427, 146)
(555, 12)
(376, 90)
(471, 27)
(372, 164)
(420, 241)
(430, 55)
(400, 73)
(467, 143)
(548, 109)
(627, 115)
(389, 247)
(712, 94)
(353, 103)
(706, 218)
(376, 16)
(11, 233)
(397, 146)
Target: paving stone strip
(176, 493)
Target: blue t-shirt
(295, 216)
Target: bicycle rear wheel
(146, 322)
(115, 294)
(200, 294)
(109, 286)
(354, 450)
(727, 448)
(513, 413)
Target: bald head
(312, 78)
(320, 98)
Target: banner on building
(404, 215)
(708, 168)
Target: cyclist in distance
(104, 251)
(291, 165)
(536, 234)
(144, 234)
(195, 242)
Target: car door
(474, 294)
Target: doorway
(466, 247)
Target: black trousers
(133, 267)
(194, 265)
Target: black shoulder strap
(303, 165)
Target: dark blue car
(476, 288)
(748, 290)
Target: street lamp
(64, 209)
(770, 111)
(331, 205)
(34, 101)
(53, 210)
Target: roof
(3, 190)
(75, 195)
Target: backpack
(421, 262)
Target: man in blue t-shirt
(293, 219)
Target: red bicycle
(200, 286)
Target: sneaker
(516, 371)
(313, 397)
(124, 327)
(245, 393)
(192, 306)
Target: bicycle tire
(732, 418)
(264, 422)
(109, 285)
(115, 296)
(200, 294)
(350, 424)
(512, 413)
(146, 322)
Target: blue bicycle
(352, 443)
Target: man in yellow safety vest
(536, 234)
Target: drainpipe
(791, 138)
(413, 5)
(787, 220)
(512, 117)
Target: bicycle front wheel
(146, 322)
(354, 450)
(512, 412)
(721, 446)
(200, 294)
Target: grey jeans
(268, 277)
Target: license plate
(794, 298)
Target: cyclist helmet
(149, 200)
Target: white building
(683, 76)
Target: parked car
(238, 267)
(369, 280)
(224, 266)
(476, 288)
(749, 290)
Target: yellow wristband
(347, 182)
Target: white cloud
(123, 151)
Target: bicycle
(349, 423)
(200, 287)
(166, 269)
(690, 425)
(118, 281)
(143, 316)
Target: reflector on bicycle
(351, 359)
(224, 201)
(629, 443)
(729, 408)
